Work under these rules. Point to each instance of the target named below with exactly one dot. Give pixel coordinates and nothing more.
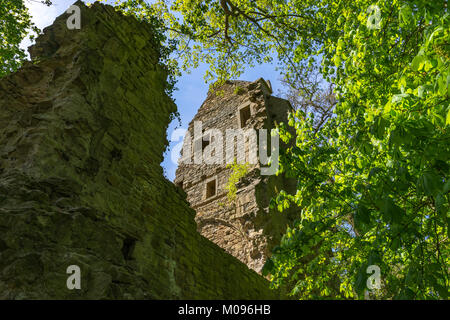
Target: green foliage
(233, 35)
(15, 25)
(238, 171)
(373, 181)
(238, 90)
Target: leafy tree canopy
(373, 180)
(15, 25)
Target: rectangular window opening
(244, 114)
(211, 188)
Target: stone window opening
(211, 188)
(244, 115)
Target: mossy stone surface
(82, 134)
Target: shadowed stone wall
(82, 133)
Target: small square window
(244, 115)
(211, 188)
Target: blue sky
(192, 89)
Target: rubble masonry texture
(245, 226)
(82, 133)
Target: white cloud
(43, 16)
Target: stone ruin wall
(245, 227)
(82, 134)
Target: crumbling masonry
(82, 133)
(243, 224)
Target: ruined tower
(239, 221)
(82, 134)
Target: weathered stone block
(82, 133)
(244, 227)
